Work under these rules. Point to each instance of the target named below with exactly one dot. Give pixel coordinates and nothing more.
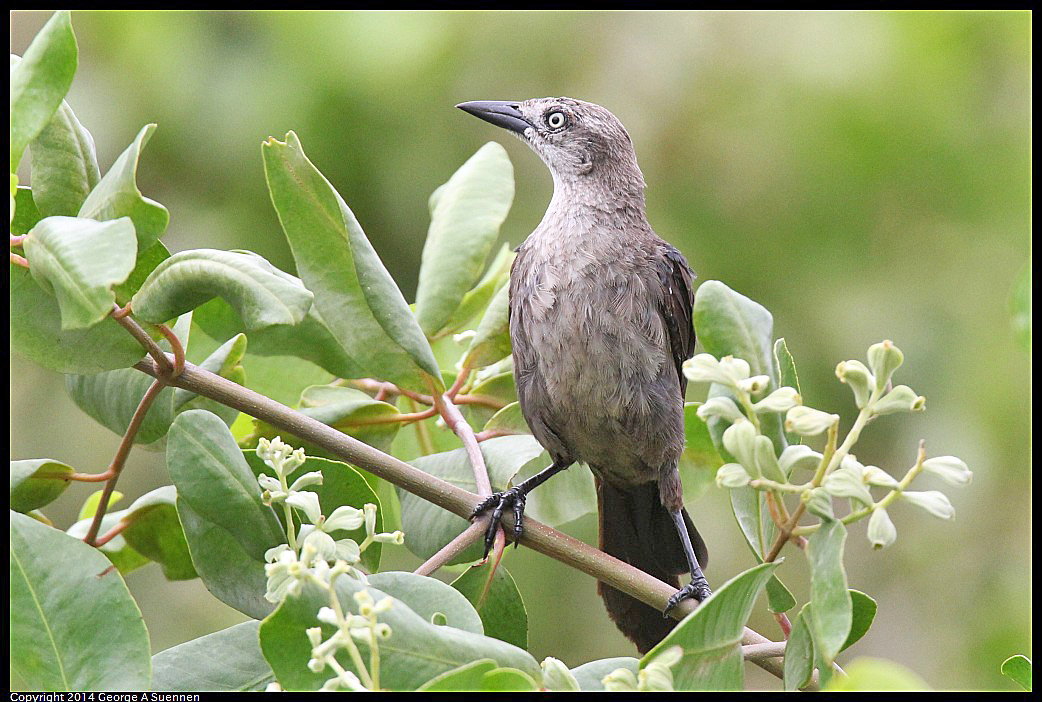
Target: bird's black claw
(699, 589)
(499, 502)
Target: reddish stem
(19, 261)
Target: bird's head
(578, 141)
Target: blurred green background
(863, 175)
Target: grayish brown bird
(600, 321)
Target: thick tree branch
(537, 536)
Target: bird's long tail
(636, 528)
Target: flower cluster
(836, 471)
(313, 555)
(655, 676)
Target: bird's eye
(555, 120)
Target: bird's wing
(678, 299)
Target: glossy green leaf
(863, 611)
(798, 665)
(711, 636)
(466, 678)
(1018, 669)
(26, 214)
(80, 261)
(229, 660)
(589, 675)
(154, 530)
(416, 651)
(476, 300)
(40, 80)
(116, 195)
(700, 459)
(491, 340)
(466, 213)
(830, 624)
(354, 293)
(508, 680)
(787, 377)
(501, 608)
(877, 675)
(188, 279)
(353, 412)
(429, 597)
(428, 527)
(211, 475)
(509, 420)
(64, 164)
(64, 600)
(123, 556)
(37, 482)
(230, 573)
(341, 485)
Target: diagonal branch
(537, 536)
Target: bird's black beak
(502, 113)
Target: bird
(600, 317)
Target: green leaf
(354, 293)
(353, 412)
(477, 299)
(122, 555)
(1018, 669)
(146, 263)
(863, 611)
(64, 164)
(40, 80)
(508, 680)
(80, 261)
(495, 391)
(700, 459)
(37, 482)
(786, 378)
(509, 420)
(779, 599)
(116, 195)
(876, 675)
(65, 599)
(212, 476)
(501, 608)
(589, 675)
(711, 636)
(428, 527)
(37, 334)
(310, 340)
(466, 678)
(731, 324)
(491, 340)
(341, 485)
(247, 282)
(466, 213)
(830, 624)
(26, 215)
(429, 597)
(154, 530)
(798, 665)
(230, 573)
(416, 651)
(229, 660)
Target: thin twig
(461, 428)
(120, 314)
(773, 649)
(468, 536)
(19, 260)
(537, 536)
(112, 533)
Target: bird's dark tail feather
(636, 528)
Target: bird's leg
(699, 586)
(514, 497)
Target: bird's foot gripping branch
(409, 419)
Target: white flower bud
(900, 399)
(347, 551)
(798, 456)
(395, 537)
(382, 630)
(732, 475)
(306, 502)
(312, 478)
(859, 378)
(719, 406)
(370, 517)
(881, 531)
(322, 543)
(384, 605)
(557, 677)
(766, 461)
(819, 503)
(884, 358)
(314, 635)
(851, 463)
(781, 400)
(326, 615)
(807, 421)
(879, 478)
(950, 469)
(620, 680)
(740, 440)
(933, 501)
(754, 385)
(735, 368)
(704, 368)
(847, 483)
(345, 517)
